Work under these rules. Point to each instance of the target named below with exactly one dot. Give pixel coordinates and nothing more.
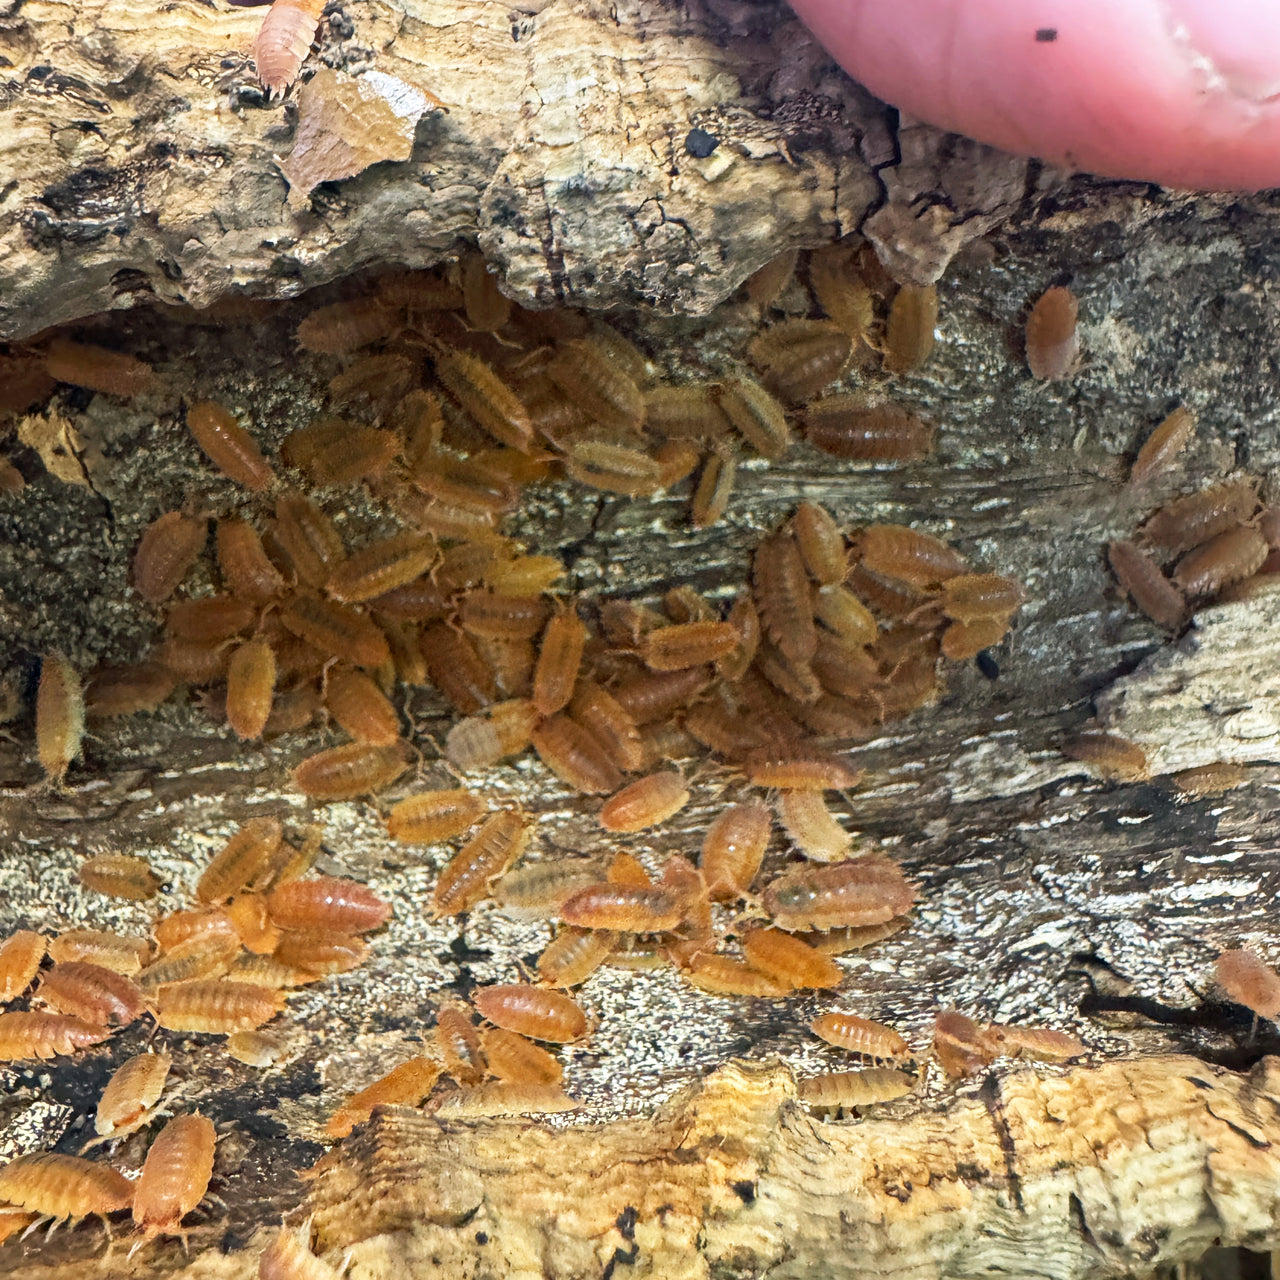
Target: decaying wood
(562, 153)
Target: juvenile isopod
(1041, 1043)
(405, 1085)
(339, 630)
(90, 992)
(517, 1060)
(309, 538)
(523, 575)
(575, 755)
(457, 669)
(459, 1045)
(960, 1045)
(279, 50)
(1225, 558)
(175, 1177)
(59, 717)
(216, 1006)
(688, 644)
(845, 426)
(615, 468)
(131, 1099)
(733, 849)
(573, 955)
(327, 904)
(197, 958)
(1109, 753)
(255, 1048)
(685, 413)
(745, 620)
(600, 713)
(128, 688)
(432, 816)
(810, 771)
(64, 1187)
(321, 953)
(789, 960)
(839, 610)
(896, 551)
(913, 315)
(466, 878)
(354, 769)
(755, 414)
(1143, 581)
(531, 1011)
(122, 952)
(483, 395)
(494, 617)
(623, 909)
(559, 661)
(20, 957)
(246, 569)
(604, 387)
(119, 875)
(1163, 445)
(839, 942)
(502, 730)
(782, 597)
(1053, 344)
(821, 544)
(1195, 518)
(651, 696)
(800, 357)
(499, 1098)
(1249, 981)
(97, 368)
(838, 895)
(714, 489)
(202, 922)
(251, 684)
(360, 707)
(862, 1036)
(1210, 779)
(807, 820)
(972, 596)
(240, 860)
(839, 1090)
(963, 640)
(169, 546)
(645, 802)
(45, 1035)
(209, 619)
(228, 445)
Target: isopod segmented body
(484, 396)
(63, 1187)
(501, 730)
(1041, 1043)
(1109, 753)
(351, 770)
(517, 1060)
(130, 1100)
(808, 821)
(97, 368)
(559, 660)
(122, 952)
(175, 1176)
(308, 537)
(20, 957)
(896, 551)
(531, 1011)
(1163, 445)
(356, 702)
(405, 1085)
(846, 427)
(228, 445)
(782, 597)
(1053, 345)
(733, 849)
(466, 878)
(842, 1089)
(90, 992)
(321, 953)
(724, 976)
(59, 717)
(575, 755)
(255, 1048)
(1193, 519)
(432, 816)
(381, 567)
(45, 1035)
(801, 357)
(810, 771)
(327, 904)
(862, 1036)
(821, 544)
(338, 630)
(1146, 585)
(1225, 558)
(973, 596)
(623, 908)
(216, 1006)
(758, 418)
(459, 1045)
(539, 890)
(1250, 981)
(960, 1045)
(279, 50)
(166, 551)
(688, 644)
(499, 1098)
(909, 334)
(1210, 779)
(573, 955)
(246, 569)
(645, 802)
(241, 860)
(604, 387)
(785, 957)
(251, 685)
(838, 895)
(609, 722)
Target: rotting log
(140, 157)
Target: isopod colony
(450, 401)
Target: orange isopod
(517, 1060)
(245, 567)
(651, 696)
(64, 1187)
(575, 755)
(216, 1005)
(840, 289)
(623, 908)
(121, 952)
(1210, 779)
(645, 802)
(807, 820)
(127, 688)
(251, 682)
(494, 617)
(1041, 1043)
(1163, 445)
(559, 660)
(169, 546)
(499, 1098)
(327, 904)
(255, 1048)
(821, 544)
(432, 816)
(240, 860)
(119, 875)
(1142, 580)
(465, 879)
(59, 717)
(539, 890)
(1109, 753)
(228, 445)
(587, 371)
(198, 957)
(745, 620)
(573, 955)
(339, 630)
(788, 959)
(809, 772)
(973, 596)
(685, 413)
(839, 942)
(175, 1176)
(962, 640)
(838, 895)
(688, 644)
(767, 284)
(846, 427)
(1249, 981)
(279, 50)
(839, 1090)
(131, 1098)
(600, 713)
(523, 575)
(502, 730)
(615, 468)
(457, 669)
(1053, 344)
(1193, 519)
(90, 992)
(531, 1011)
(202, 922)
(360, 707)
(862, 1036)
(724, 976)
(96, 368)
(960, 1045)
(383, 566)
(405, 1085)
(209, 619)
(45, 1035)
(913, 315)
(20, 957)
(1225, 558)
(309, 538)
(484, 396)
(354, 769)
(733, 850)
(714, 489)
(800, 357)
(755, 414)
(321, 953)
(896, 551)
(459, 1045)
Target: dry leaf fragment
(347, 123)
(59, 445)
